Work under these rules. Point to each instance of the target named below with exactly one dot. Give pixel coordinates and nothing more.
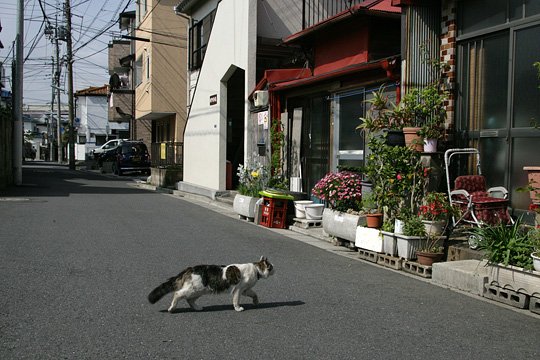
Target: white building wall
(93, 114)
(232, 43)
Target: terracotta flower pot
(533, 175)
(412, 139)
(374, 220)
(428, 258)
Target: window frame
(197, 36)
(510, 135)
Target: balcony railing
(167, 154)
(315, 11)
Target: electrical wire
(101, 33)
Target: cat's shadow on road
(247, 307)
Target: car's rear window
(134, 149)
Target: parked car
(128, 156)
(111, 144)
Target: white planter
(398, 226)
(341, 225)
(407, 245)
(245, 205)
(434, 228)
(389, 243)
(536, 260)
(369, 239)
(430, 145)
(299, 210)
(513, 278)
(314, 211)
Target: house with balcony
(120, 96)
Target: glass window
(532, 7)
(148, 67)
(199, 35)
(348, 141)
(485, 95)
(480, 14)
(526, 91)
(523, 8)
(138, 71)
(521, 156)
(516, 9)
(493, 156)
(351, 108)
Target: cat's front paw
(256, 300)
(238, 308)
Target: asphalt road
(79, 253)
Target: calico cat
(193, 282)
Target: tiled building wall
(448, 53)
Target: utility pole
(18, 99)
(50, 127)
(58, 103)
(55, 35)
(70, 87)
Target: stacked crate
(274, 213)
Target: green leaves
(507, 244)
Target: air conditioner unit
(260, 98)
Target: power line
(110, 26)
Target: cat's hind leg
(191, 302)
(178, 295)
(252, 294)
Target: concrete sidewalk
(470, 277)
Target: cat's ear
(263, 258)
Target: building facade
(160, 62)
(231, 43)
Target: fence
(167, 154)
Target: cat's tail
(161, 291)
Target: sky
(94, 25)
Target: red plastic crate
(273, 218)
(275, 203)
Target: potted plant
(342, 192)
(535, 241)
(435, 212)
(507, 244)
(430, 251)
(253, 177)
(397, 176)
(389, 238)
(424, 113)
(431, 132)
(374, 216)
(414, 235)
(380, 119)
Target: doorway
(235, 126)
